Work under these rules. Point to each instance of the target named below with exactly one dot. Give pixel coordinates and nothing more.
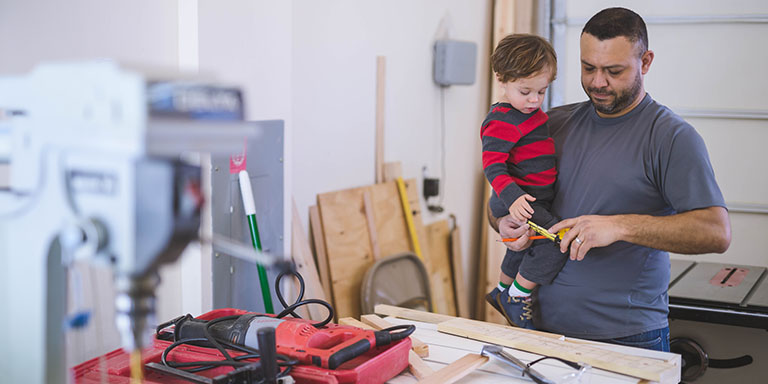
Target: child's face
(526, 94)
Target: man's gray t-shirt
(649, 161)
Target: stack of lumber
(353, 228)
(647, 365)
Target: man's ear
(646, 60)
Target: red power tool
(326, 347)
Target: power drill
(326, 347)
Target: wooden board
(348, 241)
(436, 318)
(378, 323)
(439, 270)
(460, 288)
(381, 71)
(321, 259)
(482, 262)
(392, 170)
(305, 265)
(415, 364)
(453, 372)
(411, 314)
(445, 349)
(637, 366)
(491, 255)
(418, 367)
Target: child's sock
(502, 286)
(518, 290)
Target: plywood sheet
(348, 246)
(305, 265)
(439, 270)
(348, 241)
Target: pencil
(516, 238)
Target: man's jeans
(657, 340)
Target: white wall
(335, 44)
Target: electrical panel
(455, 62)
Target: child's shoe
(516, 309)
(491, 299)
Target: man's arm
(705, 230)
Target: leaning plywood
(318, 240)
(348, 246)
(348, 241)
(642, 367)
(460, 289)
(439, 267)
(391, 232)
(305, 264)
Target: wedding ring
(578, 240)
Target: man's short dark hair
(614, 22)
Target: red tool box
(375, 366)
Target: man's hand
(587, 232)
(509, 227)
(703, 230)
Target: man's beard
(621, 100)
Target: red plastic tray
(375, 366)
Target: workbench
(445, 349)
(719, 293)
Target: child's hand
(520, 210)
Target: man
(634, 183)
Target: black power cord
(285, 363)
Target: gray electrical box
(455, 62)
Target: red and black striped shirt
(518, 154)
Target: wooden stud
(436, 318)
(457, 268)
(368, 205)
(381, 70)
(354, 323)
(411, 314)
(418, 346)
(392, 170)
(320, 255)
(453, 372)
(418, 367)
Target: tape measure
(551, 236)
